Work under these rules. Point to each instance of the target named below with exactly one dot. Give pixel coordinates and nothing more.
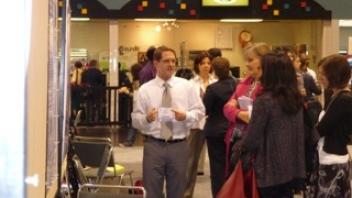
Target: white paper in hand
(165, 114)
(250, 108)
(244, 102)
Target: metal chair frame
(107, 160)
(85, 192)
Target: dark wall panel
(278, 9)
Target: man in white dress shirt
(165, 109)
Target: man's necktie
(166, 128)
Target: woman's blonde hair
(259, 49)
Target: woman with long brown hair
(275, 137)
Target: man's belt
(163, 140)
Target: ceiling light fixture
(154, 20)
(77, 19)
(241, 20)
(170, 25)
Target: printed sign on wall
(223, 38)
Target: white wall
(345, 32)
(201, 36)
(198, 35)
(92, 35)
(37, 96)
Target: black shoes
(200, 173)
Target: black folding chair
(93, 154)
(97, 163)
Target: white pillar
(37, 97)
(114, 60)
(329, 42)
(114, 53)
(350, 45)
(330, 38)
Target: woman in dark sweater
(335, 125)
(216, 95)
(275, 132)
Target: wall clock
(245, 37)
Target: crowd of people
(87, 85)
(271, 121)
(89, 93)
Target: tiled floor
(131, 157)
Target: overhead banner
(225, 3)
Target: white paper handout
(245, 102)
(250, 108)
(165, 114)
